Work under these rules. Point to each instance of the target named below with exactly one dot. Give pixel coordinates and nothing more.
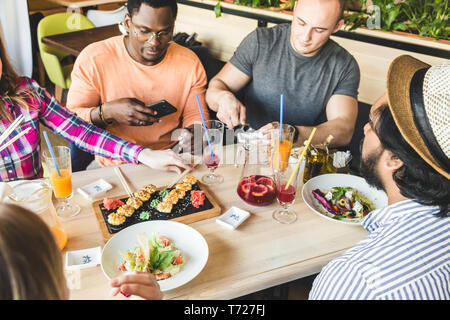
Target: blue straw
(281, 118)
(51, 152)
(204, 126)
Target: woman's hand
(141, 284)
(163, 160)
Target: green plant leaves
(218, 9)
(422, 17)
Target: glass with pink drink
(287, 180)
(212, 150)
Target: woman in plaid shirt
(21, 160)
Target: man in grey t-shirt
(318, 79)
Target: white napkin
(341, 159)
(5, 190)
(249, 136)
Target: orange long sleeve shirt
(104, 71)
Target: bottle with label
(317, 160)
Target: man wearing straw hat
(406, 152)
(318, 78)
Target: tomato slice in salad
(161, 276)
(177, 260)
(164, 240)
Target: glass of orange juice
(283, 145)
(61, 180)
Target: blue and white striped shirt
(405, 257)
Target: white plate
(328, 181)
(189, 241)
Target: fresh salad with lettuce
(344, 203)
(157, 255)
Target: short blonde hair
(31, 266)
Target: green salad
(157, 255)
(344, 203)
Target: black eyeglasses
(145, 36)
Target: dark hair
(134, 5)
(416, 179)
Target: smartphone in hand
(162, 108)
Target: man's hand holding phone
(129, 111)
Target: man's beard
(368, 169)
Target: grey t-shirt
(307, 83)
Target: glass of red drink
(287, 179)
(212, 150)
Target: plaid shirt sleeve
(84, 135)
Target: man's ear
(339, 25)
(127, 22)
(391, 162)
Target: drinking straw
(4, 146)
(281, 118)
(11, 128)
(300, 158)
(51, 152)
(204, 126)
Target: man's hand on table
(129, 111)
(166, 160)
(141, 284)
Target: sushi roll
(150, 188)
(173, 199)
(143, 195)
(136, 203)
(125, 210)
(183, 186)
(165, 207)
(116, 219)
(189, 179)
(177, 193)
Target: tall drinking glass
(286, 172)
(212, 150)
(282, 146)
(62, 182)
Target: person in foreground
(25, 237)
(406, 153)
(21, 160)
(113, 81)
(318, 78)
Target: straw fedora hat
(419, 100)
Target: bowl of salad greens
(174, 252)
(342, 198)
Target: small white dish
(233, 218)
(95, 189)
(82, 259)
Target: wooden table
(84, 3)
(75, 42)
(259, 254)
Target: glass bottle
(317, 159)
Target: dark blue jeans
(80, 159)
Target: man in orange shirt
(115, 79)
